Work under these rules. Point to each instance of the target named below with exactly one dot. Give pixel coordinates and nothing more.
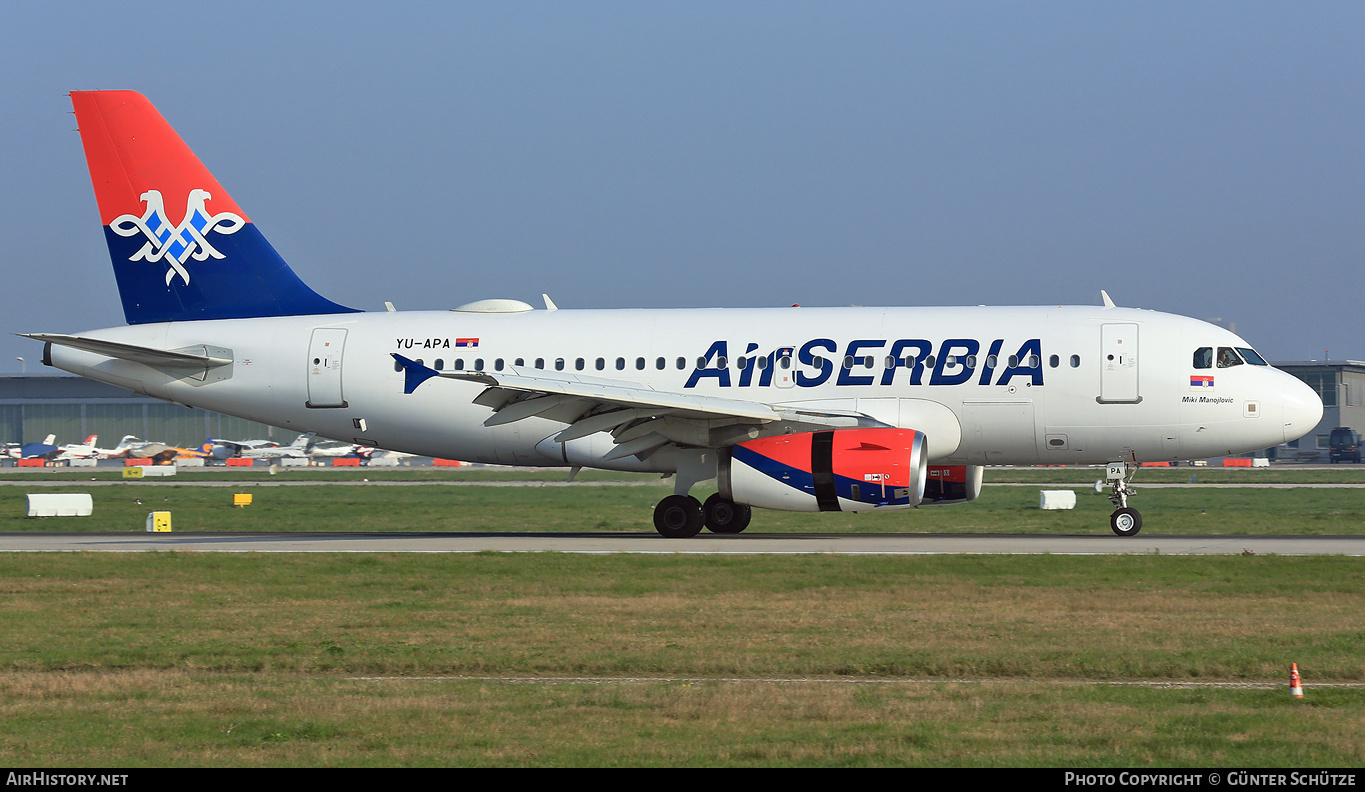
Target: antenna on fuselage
(1104, 295)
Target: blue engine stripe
(868, 492)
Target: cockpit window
(1227, 358)
(1203, 357)
(1251, 357)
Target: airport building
(1341, 384)
(34, 406)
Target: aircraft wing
(641, 419)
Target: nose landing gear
(1125, 521)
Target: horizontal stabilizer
(136, 354)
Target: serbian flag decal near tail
(181, 247)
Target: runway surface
(705, 544)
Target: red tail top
(131, 149)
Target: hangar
(33, 406)
(1341, 384)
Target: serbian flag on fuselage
(1200, 382)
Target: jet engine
(837, 470)
(948, 484)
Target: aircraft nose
(1302, 408)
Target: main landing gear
(1125, 521)
(682, 516)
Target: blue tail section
(250, 280)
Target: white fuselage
(1109, 383)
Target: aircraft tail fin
(181, 247)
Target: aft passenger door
(324, 367)
(1119, 364)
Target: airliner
(789, 408)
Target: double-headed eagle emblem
(176, 244)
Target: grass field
(190, 659)
(200, 659)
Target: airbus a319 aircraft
(801, 409)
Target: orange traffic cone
(1295, 684)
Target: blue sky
(1206, 159)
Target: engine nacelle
(837, 470)
(948, 484)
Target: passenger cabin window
(1075, 361)
(1227, 358)
(1203, 357)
